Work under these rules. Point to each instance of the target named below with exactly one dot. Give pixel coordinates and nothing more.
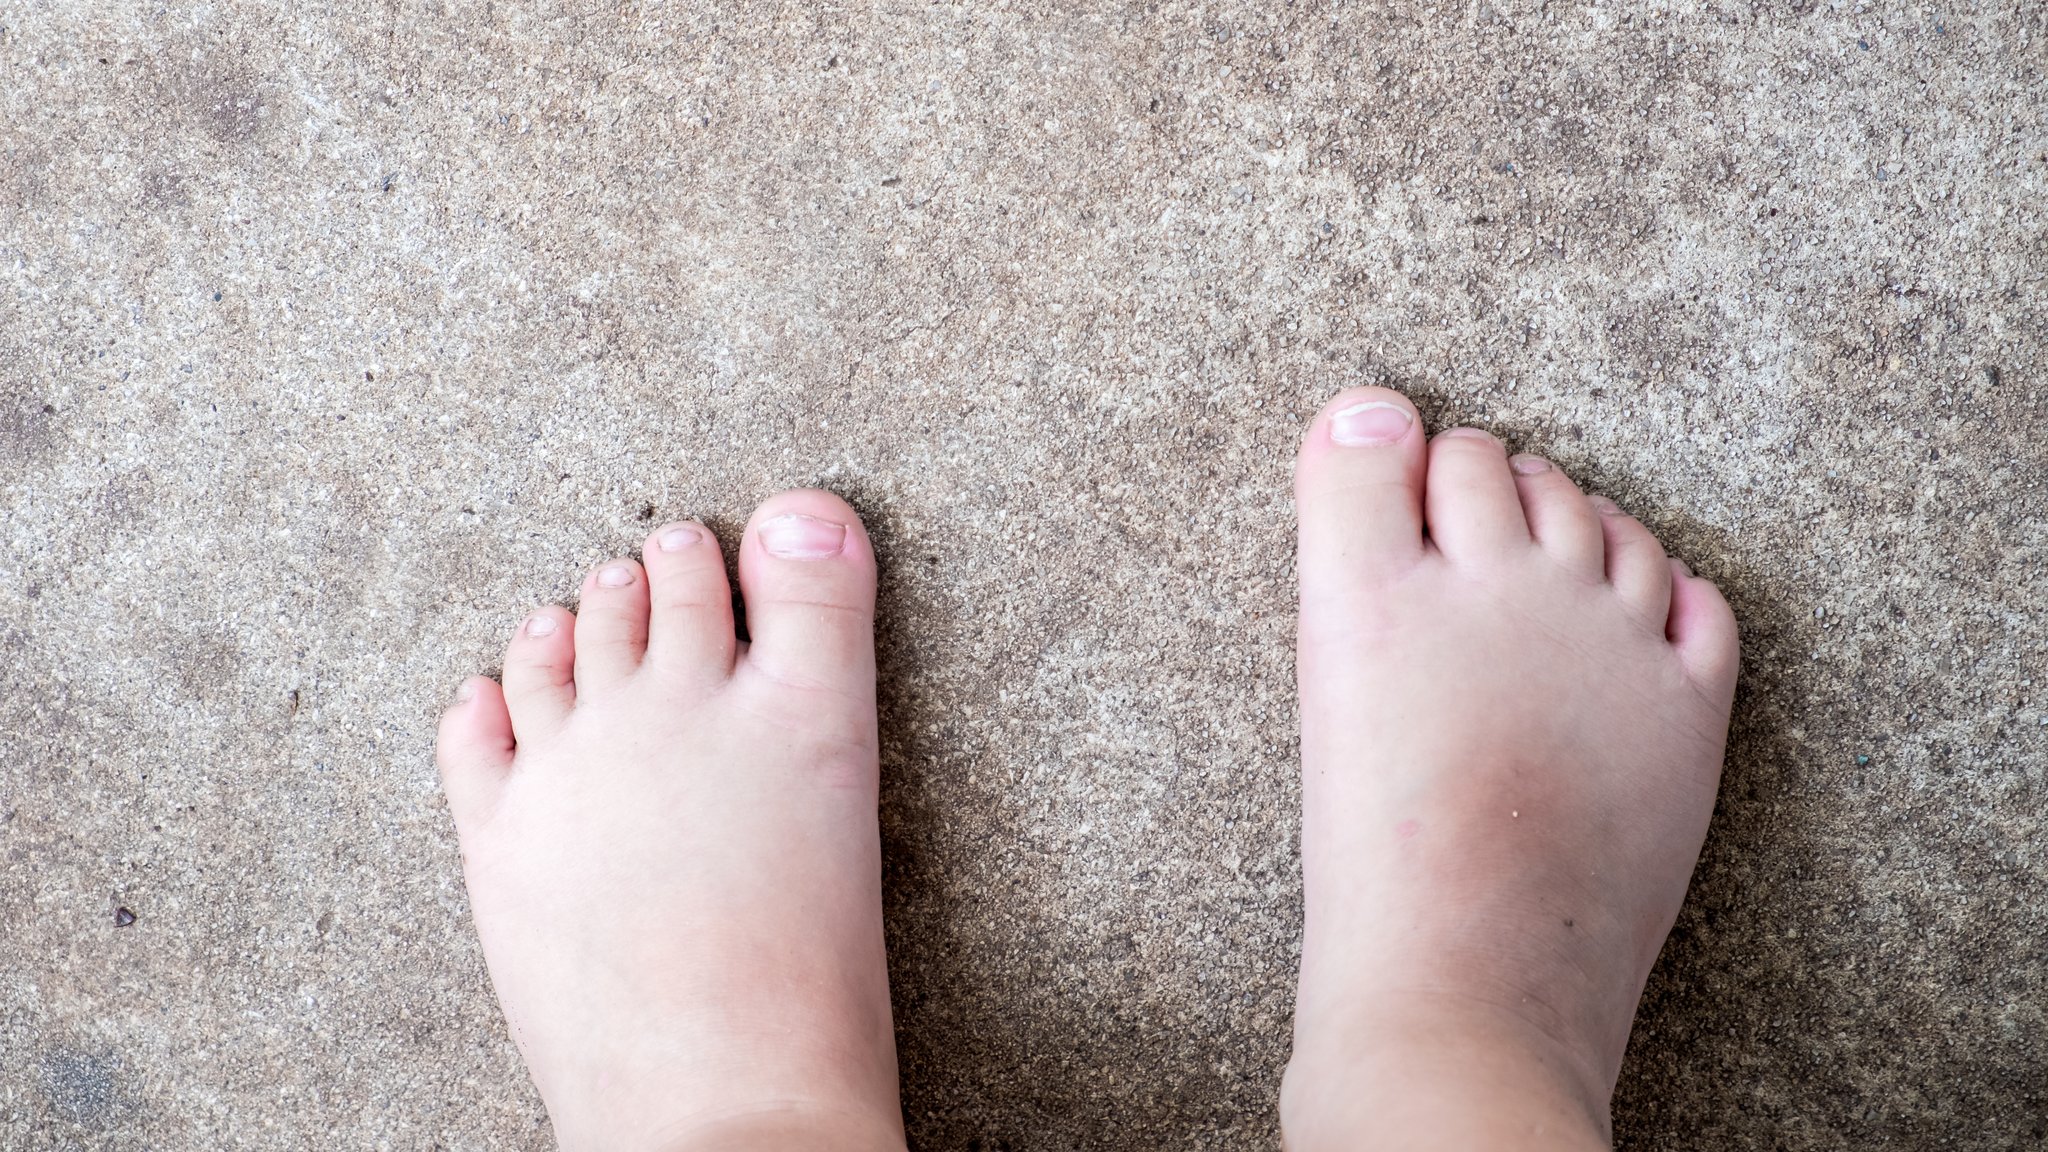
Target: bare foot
(672, 851)
(1513, 711)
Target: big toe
(807, 574)
(1358, 490)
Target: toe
(1702, 627)
(1635, 561)
(690, 630)
(474, 749)
(1358, 489)
(1559, 516)
(1469, 497)
(807, 573)
(611, 625)
(540, 673)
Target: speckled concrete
(335, 335)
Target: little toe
(807, 573)
(1702, 627)
(1358, 489)
(691, 630)
(1635, 561)
(611, 625)
(1559, 516)
(540, 673)
(474, 749)
(1469, 497)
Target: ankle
(790, 1127)
(1421, 1077)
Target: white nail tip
(1361, 424)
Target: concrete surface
(337, 334)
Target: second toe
(1473, 510)
(690, 631)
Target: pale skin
(1513, 715)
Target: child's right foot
(1513, 715)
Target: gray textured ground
(334, 335)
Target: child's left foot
(672, 851)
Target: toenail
(797, 537)
(540, 625)
(1373, 422)
(1529, 465)
(680, 537)
(1606, 507)
(1467, 433)
(614, 576)
(466, 693)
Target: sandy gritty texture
(335, 335)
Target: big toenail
(1529, 465)
(678, 538)
(797, 537)
(615, 576)
(1373, 422)
(542, 625)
